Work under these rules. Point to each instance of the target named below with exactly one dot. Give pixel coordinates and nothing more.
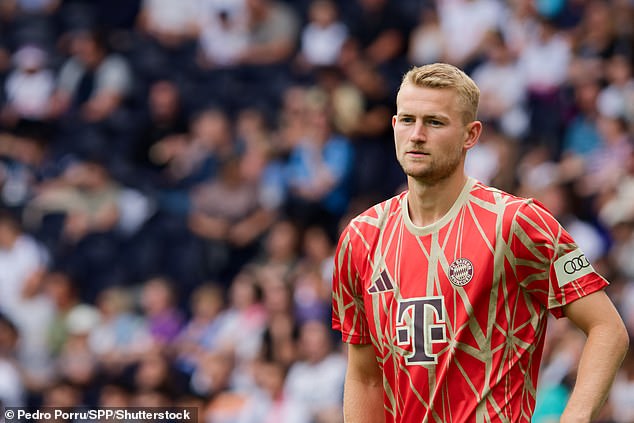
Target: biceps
(593, 310)
(363, 366)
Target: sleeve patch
(571, 267)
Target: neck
(429, 202)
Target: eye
(407, 119)
(435, 123)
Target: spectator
(23, 262)
(273, 29)
(543, 64)
(270, 403)
(92, 87)
(29, 88)
(12, 389)
(232, 228)
(427, 43)
(318, 172)
(465, 24)
(502, 88)
(617, 98)
(201, 331)
(322, 38)
(223, 34)
(121, 336)
(163, 121)
(159, 304)
(166, 36)
(316, 380)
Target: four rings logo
(575, 264)
(571, 267)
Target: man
(442, 292)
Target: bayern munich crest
(460, 272)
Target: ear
(472, 134)
(393, 121)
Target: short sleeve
(348, 310)
(548, 263)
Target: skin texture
(431, 140)
(602, 354)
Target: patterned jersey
(457, 310)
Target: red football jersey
(457, 310)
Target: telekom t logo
(420, 323)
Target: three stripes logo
(381, 284)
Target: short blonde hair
(444, 75)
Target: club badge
(460, 272)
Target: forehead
(413, 99)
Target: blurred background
(174, 175)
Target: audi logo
(575, 264)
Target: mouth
(415, 153)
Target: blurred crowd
(174, 175)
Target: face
(430, 134)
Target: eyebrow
(425, 116)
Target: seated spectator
(194, 158)
(163, 118)
(582, 138)
(92, 87)
(245, 314)
(318, 173)
(263, 66)
(29, 88)
(543, 63)
(322, 37)
(156, 382)
(278, 256)
(12, 389)
(65, 293)
(273, 29)
(502, 88)
(622, 393)
(270, 402)
(230, 228)
(200, 333)
(86, 194)
(121, 336)
(168, 23)
(76, 362)
(426, 42)
(223, 34)
(344, 98)
(617, 98)
(315, 381)
(23, 262)
(159, 302)
(465, 24)
(166, 32)
(378, 33)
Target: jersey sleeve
(348, 311)
(548, 263)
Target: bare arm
(363, 391)
(602, 354)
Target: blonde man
(443, 291)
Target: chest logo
(461, 272)
(381, 284)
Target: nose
(418, 133)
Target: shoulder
(512, 210)
(372, 221)
(501, 201)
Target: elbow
(621, 339)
